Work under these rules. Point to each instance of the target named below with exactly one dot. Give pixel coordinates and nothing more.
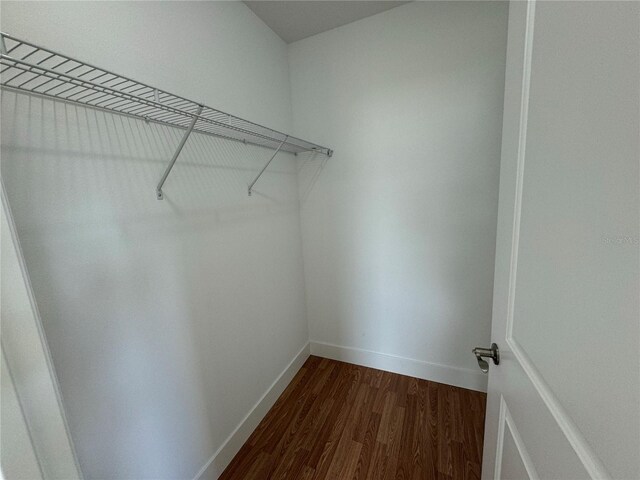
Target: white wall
(167, 320)
(399, 226)
(17, 455)
(33, 428)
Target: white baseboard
(221, 459)
(459, 377)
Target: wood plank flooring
(341, 421)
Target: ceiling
(295, 20)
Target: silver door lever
(493, 353)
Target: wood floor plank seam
(338, 421)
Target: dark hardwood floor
(341, 421)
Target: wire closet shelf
(29, 68)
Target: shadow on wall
(147, 304)
(309, 170)
(97, 157)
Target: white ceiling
(295, 20)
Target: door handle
(493, 353)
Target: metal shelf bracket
(27, 68)
(265, 167)
(159, 194)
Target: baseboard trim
(221, 459)
(459, 377)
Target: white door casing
(34, 434)
(564, 402)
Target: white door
(564, 403)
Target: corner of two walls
(144, 303)
(398, 227)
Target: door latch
(492, 353)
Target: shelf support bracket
(159, 194)
(265, 167)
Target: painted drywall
(167, 320)
(399, 226)
(17, 456)
(31, 404)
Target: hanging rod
(29, 68)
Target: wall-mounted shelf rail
(26, 67)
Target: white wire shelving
(29, 68)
